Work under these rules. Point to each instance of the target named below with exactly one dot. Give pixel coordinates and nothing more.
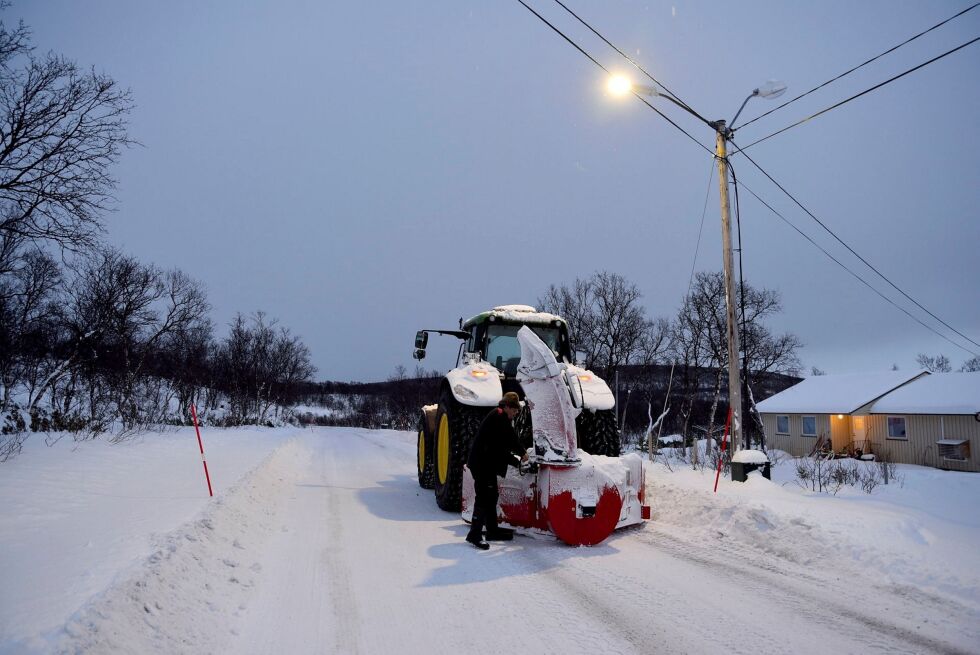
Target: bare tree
(971, 365)
(61, 128)
(261, 366)
(700, 339)
(27, 293)
(938, 364)
(608, 324)
(575, 303)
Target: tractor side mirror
(418, 354)
(421, 339)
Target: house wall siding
(923, 431)
(794, 443)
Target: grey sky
(362, 170)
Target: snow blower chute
(579, 497)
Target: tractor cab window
(504, 350)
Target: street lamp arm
(751, 95)
(642, 89)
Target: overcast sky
(361, 170)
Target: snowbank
(921, 531)
(76, 516)
(199, 579)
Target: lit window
(809, 426)
(896, 427)
(782, 425)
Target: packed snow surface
(321, 541)
(835, 394)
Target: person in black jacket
(494, 448)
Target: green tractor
(486, 368)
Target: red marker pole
(724, 448)
(201, 446)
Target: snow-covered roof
(836, 394)
(939, 393)
(514, 314)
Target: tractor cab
(493, 335)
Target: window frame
(888, 428)
(803, 431)
(947, 447)
(785, 416)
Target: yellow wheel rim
(442, 449)
(421, 450)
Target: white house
(912, 418)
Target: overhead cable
(862, 64)
(680, 103)
(853, 274)
(606, 70)
(855, 253)
(858, 95)
(697, 246)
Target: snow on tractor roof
(524, 314)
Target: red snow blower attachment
(579, 497)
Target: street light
(620, 85)
(771, 89)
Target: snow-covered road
(364, 562)
(330, 546)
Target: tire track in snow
(334, 559)
(837, 607)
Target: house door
(859, 433)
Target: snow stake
(724, 447)
(200, 445)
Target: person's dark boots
(477, 540)
(500, 534)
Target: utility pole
(734, 380)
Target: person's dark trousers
(484, 508)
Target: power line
(861, 65)
(680, 102)
(855, 275)
(606, 70)
(858, 95)
(704, 211)
(783, 189)
(855, 253)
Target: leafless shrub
(830, 476)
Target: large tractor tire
(524, 428)
(598, 433)
(424, 451)
(456, 426)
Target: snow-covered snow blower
(579, 497)
(575, 485)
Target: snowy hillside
(321, 541)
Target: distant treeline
(395, 403)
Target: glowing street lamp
(619, 85)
